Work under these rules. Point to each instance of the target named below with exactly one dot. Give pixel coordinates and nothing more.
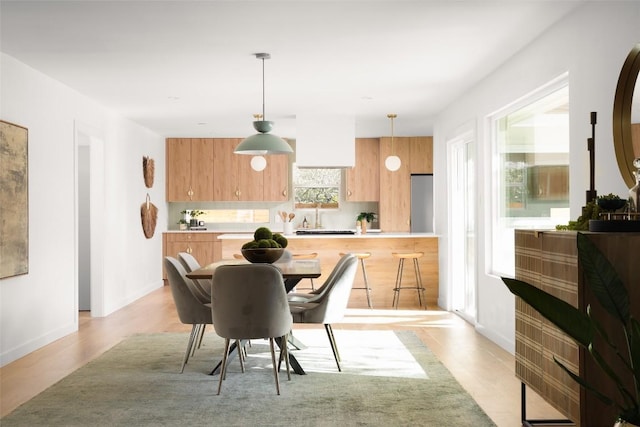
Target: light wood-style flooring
(485, 370)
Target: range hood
(325, 141)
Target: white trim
(96, 143)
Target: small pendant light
(392, 162)
(263, 142)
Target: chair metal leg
(192, 338)
(334, 346)
(223, 369)
(242, 354)
(285, 349)
(204, 325)
(275, 366)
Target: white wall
(591, 44)
(41, 306)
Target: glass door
(462, 226)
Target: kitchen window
(531, 174)
(316, 188)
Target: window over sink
(316, 187)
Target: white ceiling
(186, 68)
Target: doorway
(462, 225)
(89, 173)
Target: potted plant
(582, 327)
(192, 216)
(364, 218)
(182, 224)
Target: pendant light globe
(392, 162)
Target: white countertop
(249, 236)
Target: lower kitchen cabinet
(205, 247)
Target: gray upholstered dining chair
(191, 310)
(190, 263)
(249, 301)
(331, 303)
(328, 283)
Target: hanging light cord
(263, 116)
(392, 116)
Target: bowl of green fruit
(266, 247)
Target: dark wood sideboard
(549, 260)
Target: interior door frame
(88, 135)
(463, 137)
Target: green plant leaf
(634, 352)
(603, 279)
(627, 395)
(583, 383)
(569, 319)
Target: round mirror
(626, 118)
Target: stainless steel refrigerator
(422, 203)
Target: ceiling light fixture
(263, 143)
(392, 162)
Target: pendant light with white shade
(392, 162)
(263, 142)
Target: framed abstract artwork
(14, 200)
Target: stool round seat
(362, 256)
(359, 255)
(406, 255)
(402, 256)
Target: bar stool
(362, 256)
(416, 268)
(311, 255)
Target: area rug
(388, 379)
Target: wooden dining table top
(294, 269)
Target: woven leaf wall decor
(149, 216)
(148, 170)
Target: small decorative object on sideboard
(266, 246)
(615, 215)
(611, 203)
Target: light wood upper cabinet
(234, 179)
(190, 172)
(189, 169)
(276, 178)
(421, 154)
(395, 187)
(363, 180)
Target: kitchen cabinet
(395, 187)
(234, 179)
(363, 180)
(205, 247)
(421, 158)
(189, 169)
(276, 178)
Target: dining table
(293, 271)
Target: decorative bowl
(263, 255)
(611, 205)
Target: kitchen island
(213, 245)
(381, 266)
